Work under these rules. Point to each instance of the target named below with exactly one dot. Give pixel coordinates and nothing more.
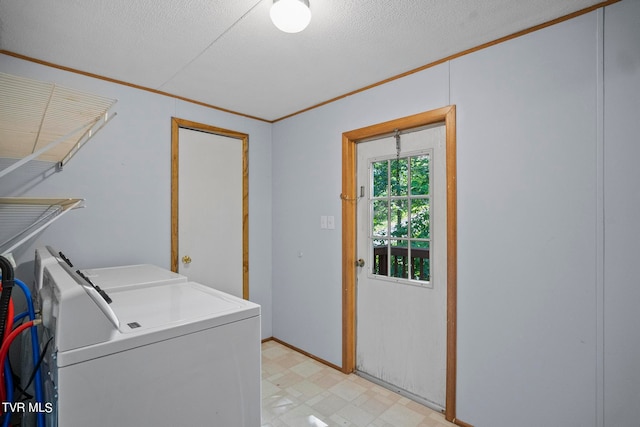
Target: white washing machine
(143, 346)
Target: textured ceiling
(227, 53)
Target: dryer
(143, 346)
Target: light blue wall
(124, 173)
(527, 228)
(622, 224)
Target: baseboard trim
(292, 347)
(461, 423)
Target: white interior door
(401, 287)
(210, 206)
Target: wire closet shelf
(23, 218)
(49, 123)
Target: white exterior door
(210, 206)
(401, 286)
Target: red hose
(12, 336)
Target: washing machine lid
(161, 312)
(162, 306)
(132, 276)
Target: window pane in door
(399, 218)
(420, 218)
(420, 175)
(420, 261)
(398, 176)
(380, 172)
(380, 257)
(380, 224)
(399, 265)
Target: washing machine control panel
(73, 311)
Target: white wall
(124, 175)
(531, 221)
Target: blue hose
(35, 346)
(20, 316)
(9, 381)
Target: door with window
(401, 280)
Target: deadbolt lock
(360, 263)
(186, 259)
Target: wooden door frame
(446, 115)
(176, 125)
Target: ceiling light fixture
(290, 16)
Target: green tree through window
(401, 217)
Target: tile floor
(298, 392)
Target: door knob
(360, 263)
(186, 259)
